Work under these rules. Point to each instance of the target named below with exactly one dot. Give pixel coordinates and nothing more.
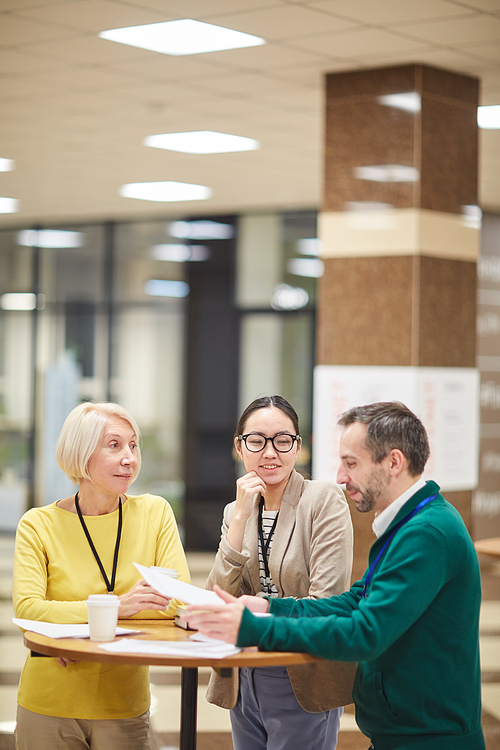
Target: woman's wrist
(239, 517)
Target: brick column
(399, 227)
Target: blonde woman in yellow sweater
(86, 544)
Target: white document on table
(205, 650)
(62, 630)
(175, 589)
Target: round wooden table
(164, 630)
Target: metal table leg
(189, 703)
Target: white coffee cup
(102, 610)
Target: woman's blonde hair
(82, 433)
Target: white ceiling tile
(490, 90)
(76, 107)
(441, 58)
(12, 61)
(159, 100)
(300, 99)
(201, 9)
(264, 57)
(167, 67)
(88, 78)
(392, 11)
(10, 88)
(93, 15)
(456, 31)
(179, 102)
(312, 76)
(15, 31)
(6, 5)
(73, 104)
(84, 48)
(357, 43)
(246, 84)
(284, 22)
(485, 5)
(488, 52)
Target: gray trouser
(58, 733)
(268, 716)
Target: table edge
(55, 647)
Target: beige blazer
(311, 557)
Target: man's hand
(253, 603)
(222, 621)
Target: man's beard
(369, 496)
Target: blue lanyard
(389, 540)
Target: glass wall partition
(71, 338)
(183, 321)
(81, 319)
(150, 297)
(278, 268)
(16, 382)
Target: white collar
(384, 519)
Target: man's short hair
(82, 433)
(390, 424)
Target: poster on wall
(446, 399)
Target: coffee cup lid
(103, 599)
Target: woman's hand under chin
(248, 489)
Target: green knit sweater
(415, 635)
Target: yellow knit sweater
(55, 571)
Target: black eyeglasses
(254, 442)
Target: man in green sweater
(411, 622)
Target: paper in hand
(175, 589)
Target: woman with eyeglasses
(283, 536)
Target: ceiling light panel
(165, 191)
(9, 205)
(180, 253)
(489, 117)
(183, 37)
(166, 288)
(312, 267)
(201, 142)
(18, 301)
(55, 238)
(388, 173)
(310, 246)
(200, 230)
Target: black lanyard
(110, 586)
(265, 544)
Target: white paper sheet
(183, 592)
(213, 650)
(64, 630)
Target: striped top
(267, 584)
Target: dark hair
(390, 424)
(266, 402)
